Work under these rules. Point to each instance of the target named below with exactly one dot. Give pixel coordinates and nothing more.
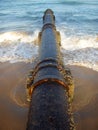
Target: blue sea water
(79, 15)
(77, 21)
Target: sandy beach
(14, 107)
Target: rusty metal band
(40, 82)
(48, 25)
(50, 59)
(44, 66)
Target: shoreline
(14, 108)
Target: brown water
(14, 107)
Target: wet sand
(14, 108)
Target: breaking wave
(80, 50)
(18, 46)
(23, 47)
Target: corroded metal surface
(50, 84)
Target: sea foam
(18, 46)
(80, 50)
(23, 47)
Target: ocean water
(77, 21)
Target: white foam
(80, 50)
(78, 42)
(16, 46)
(76, 50)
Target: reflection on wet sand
(14, 107)
(85, 105)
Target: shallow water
(20, 23)
(14, 107)
(77, 22)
